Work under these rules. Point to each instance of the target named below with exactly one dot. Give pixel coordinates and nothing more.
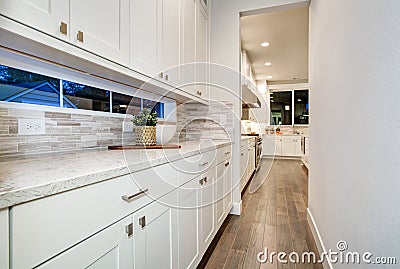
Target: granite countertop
(26, 179)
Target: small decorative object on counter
(145, 127)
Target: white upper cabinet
(101, 27)
(171, 42)
(49, 16)
(188, 49)
(202, 53)
(146, 36)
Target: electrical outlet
(127, 127)
(31, 126)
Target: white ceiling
(287, 33)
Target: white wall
(225, 50)
(354, 184)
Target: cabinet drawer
(193, 166)
(45, 227)
(224, 153)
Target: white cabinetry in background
(247, 160)
(282, 145)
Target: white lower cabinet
(207, 208)
(189, 223)
(282, 145)
(111, 248)
(140, 221)
(155, 233)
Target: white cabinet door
(220, 191)
(101, 27)
(188, 50)
(243, 167)
(278, 146)
(207, 223)
(229, 186)
(202, 54)
(171, 42)
(155, 236)
(268, 145)
(288, 147)
(43, 15)
(188, 223)
(146, 36)
(109, 249)
(298, 151)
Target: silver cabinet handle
(199, 93)
(132, 197)
(166, 77)
(201, 181)
(63, 28)
(202, 164)
(79, 36)
(241, 153)
(227, 164)
(129, 229)
(161, 75)
(142, 221)
(228, 152)
(205, 179)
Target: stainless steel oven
(258, 151)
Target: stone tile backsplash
(209, 122)
(74, 132)
(64, 132)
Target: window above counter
(19, 86)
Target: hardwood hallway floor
(274, 216)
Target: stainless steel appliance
(258, 151)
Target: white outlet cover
(127, 127)
(31, 126)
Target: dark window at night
(20, 86)
(86, 97)
(301, 107)
(281, 108)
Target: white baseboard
(236, 209)
(318, 240)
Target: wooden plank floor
(274, 216)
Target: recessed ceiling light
(269, 77)
(264, 44)
(268, 64)
(298, 100)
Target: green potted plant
(145, 127)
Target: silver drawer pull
(129, 229)
(205, 179)
(226, 153)
(202, 164)
(227, 164)
(142, 221)
(129, 199)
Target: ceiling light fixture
(269, 77)
(264, 44)
(268, 64)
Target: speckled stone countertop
(26, 179)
